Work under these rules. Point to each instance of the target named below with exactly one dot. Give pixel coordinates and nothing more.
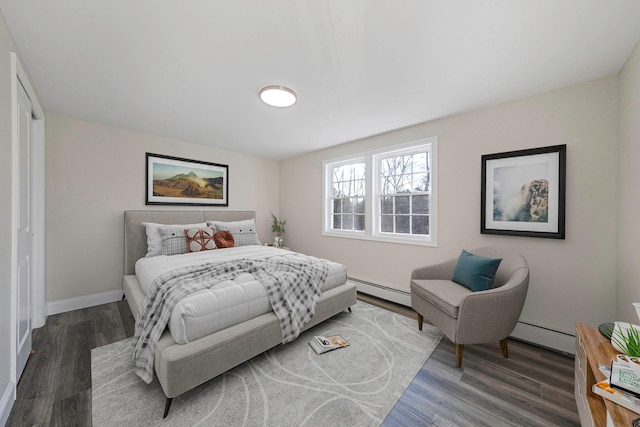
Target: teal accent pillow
(475, 272)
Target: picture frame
(178, 181)
(523, 193)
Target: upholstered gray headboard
(135, 234)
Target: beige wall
(572, 280)
(6, 46)
(95, 172)
(629, 189)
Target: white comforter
(230, 303)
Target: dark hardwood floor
(533, 387)
(55, 388)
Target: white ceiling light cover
(278, 96)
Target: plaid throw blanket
(293, 285)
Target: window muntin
(348, 183)
(404, 192)
(384, 195)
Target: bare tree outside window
(405, 181)
(348, 197)
(387, 195)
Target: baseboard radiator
(382, 291)
(528, 331)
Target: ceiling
(192, 70)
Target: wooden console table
(592, 350)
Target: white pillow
(174, 241)
(244, 232)
(154, 240)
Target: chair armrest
(492, 315)
(442, 271)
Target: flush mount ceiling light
(278, 96)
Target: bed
(202, 354)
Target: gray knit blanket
(293, 285)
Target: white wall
(572, 280)
(95, 172)
(629, 189)
(6, 46)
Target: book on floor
(321, 344)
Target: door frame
(38, 307)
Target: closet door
(24, 232)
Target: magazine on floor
(321, 344)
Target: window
(403, 195)
(386, 195)
(347, 196)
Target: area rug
(289, 385)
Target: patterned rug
(289, 385)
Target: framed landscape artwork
(523, 193)
(176, 181)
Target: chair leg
(167, 405)
(459, 351)
(503, 346)
(420, 320)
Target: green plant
(278, 226)
(627, 339)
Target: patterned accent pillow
(174, 242)
(224, 239)
(244, 232)
(199, 239)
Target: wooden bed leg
(459, 351)
(167, 406)
(504, 347)
(349, 308)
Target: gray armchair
(468, 317)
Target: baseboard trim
(77, 303)
(545, 337)
(8, 397)
(381, 291)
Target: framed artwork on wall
(176, 181)
(523, 193)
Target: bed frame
(181, 367)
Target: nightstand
(592, 350)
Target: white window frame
(372, 184)
(329, 198)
